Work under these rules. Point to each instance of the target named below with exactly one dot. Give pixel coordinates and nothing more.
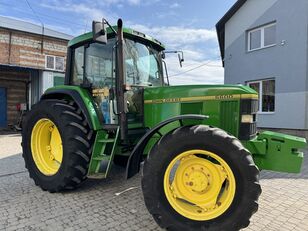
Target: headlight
(247, 119)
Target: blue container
(106, 111)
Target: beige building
(32, 59)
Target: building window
(54, 63)
(266, 91)
(262, 37)
(50, 62)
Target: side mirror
(99, 32)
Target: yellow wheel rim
(199, 185)
(46, 147)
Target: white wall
(47, 80)
(286, 62)
(244, 18)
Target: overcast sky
(180, 25)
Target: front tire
(200, 178)
(57, 143)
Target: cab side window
(77, 71)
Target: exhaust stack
(120, 81)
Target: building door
(2, 107)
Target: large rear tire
(57, 143)
(200, 178)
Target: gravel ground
(95, 206)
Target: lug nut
(189, 183)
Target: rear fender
(82, 98)
(277, 152)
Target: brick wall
(26, 50)
(16, 91)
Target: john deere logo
(172, 100)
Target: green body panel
(277, 152)
(220, 102)
(271, 151)
(89, 36)
(87, 100)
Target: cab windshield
(142, 65)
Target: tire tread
(79, 145)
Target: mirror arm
(167, 76)
(105, 21)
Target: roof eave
(35, 34)
(220, 26)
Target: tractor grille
(248, 131)
(229, 116)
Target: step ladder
(103, 152)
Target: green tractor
(198, 146)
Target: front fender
(133, 165)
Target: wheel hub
(46, 147)
(203, 185)
(197, 179)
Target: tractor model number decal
(219, 97)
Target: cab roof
(127, 33)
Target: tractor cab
(94, 65)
